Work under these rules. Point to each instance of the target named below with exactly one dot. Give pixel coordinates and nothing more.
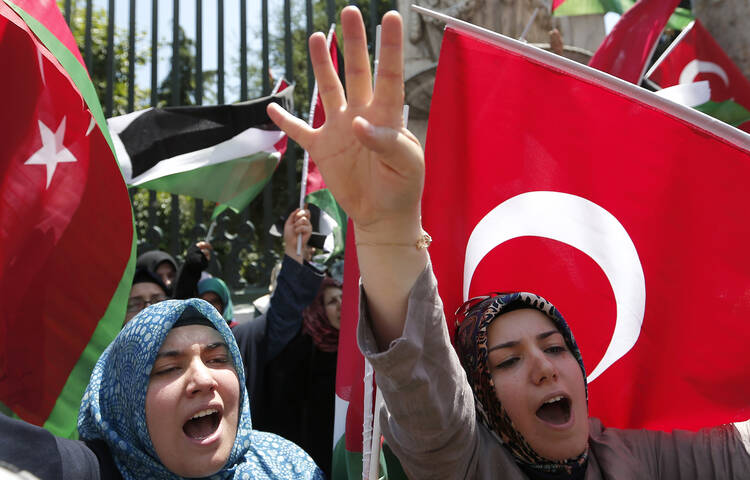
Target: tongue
(555, 413)
(200, 428)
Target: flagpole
(306, 156)
(367, 414)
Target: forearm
(389, 264)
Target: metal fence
(232, 234)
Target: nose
(543, 370)
(200, 378)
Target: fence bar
(198, 52)
(292, 150)
(109, 92)
(154, 53)
(220, 53)
(331, 12)
(175, 80)
(131, 58)
(267, 193)
(264, 39)
(67, 13)
(87, 36)
(174, 226)
(243, 50)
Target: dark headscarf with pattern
(475, 317)
(315, 321)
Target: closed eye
(164, 370)
(555, 349)
(507, 363)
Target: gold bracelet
(422, 242)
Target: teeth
(203, 413)
(554, 399)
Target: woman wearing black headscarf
(522, 411)
(299, 391)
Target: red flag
(318, 115)
(695, 56)
(626, 211)
(65, 224)
(626, 51)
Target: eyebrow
(177, 353)
(514, 343)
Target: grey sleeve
(429, 419)
(711, 453)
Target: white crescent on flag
(581, 224)
(695, 67)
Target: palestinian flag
(628, 48)
(66, 224)
(566, 8)
(694, 56)
(224, 153)
(313, 187)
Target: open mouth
(203, 424)
(555, 411)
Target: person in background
(215, 291)
(298, 396)
(261, 339)
(147, 289)
(161, 264)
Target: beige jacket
(430, 424)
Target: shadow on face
(539, 383)
(192, 402)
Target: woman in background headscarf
(216, 292)
(160, 263)
(298, 395)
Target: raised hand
(297, 223)
(373, 166)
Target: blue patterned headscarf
(114, 405)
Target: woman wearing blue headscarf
(166, 400)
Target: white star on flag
(53, 151)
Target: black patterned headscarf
(474, 318)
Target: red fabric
(676, 189)
(350, 368)
(66, 244)
(698, 44)
(556, 3)
(48, 14)
(626, 51)
(314, 178)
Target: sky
(187, 14)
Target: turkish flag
(626, 211)
(66, 228)
(695, 56)
(626, 51)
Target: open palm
(373, 166)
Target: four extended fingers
(356, 58)
(389, 82)
(329, 87)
